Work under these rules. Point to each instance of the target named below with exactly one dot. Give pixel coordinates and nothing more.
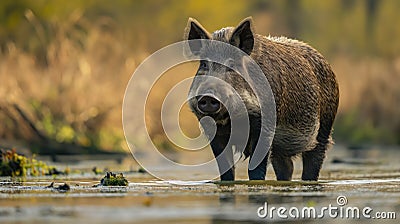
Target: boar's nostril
(208, 105)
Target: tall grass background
(65, 65)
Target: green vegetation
(112, 179)
(65, 64)
(15, 165)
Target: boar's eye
(231, 63)
(203, 65)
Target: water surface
(367, 178)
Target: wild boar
(304, 88)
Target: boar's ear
(194, 30)
(242, 36)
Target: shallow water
(368, 178)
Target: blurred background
(64, 65)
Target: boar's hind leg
(283, 166)
(312, 162)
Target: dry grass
(76, 95)
(369, 100)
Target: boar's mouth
(222, 117)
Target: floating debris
(96, 170)
(63, 188)
(112, 179)
(54, 171)
(51, 185)
(142, 170)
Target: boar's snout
(207, 104)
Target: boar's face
(216, 86)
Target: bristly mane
(223, 34)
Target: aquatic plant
(112, 179)
(16, 165)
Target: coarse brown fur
(306, 96)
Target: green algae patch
(15, 165)
(112, 179)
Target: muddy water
(368, 178)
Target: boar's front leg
(260, 171)
(218, 145)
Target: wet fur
(306, 96)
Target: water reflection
(147, 200)
(239, 202)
